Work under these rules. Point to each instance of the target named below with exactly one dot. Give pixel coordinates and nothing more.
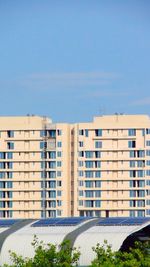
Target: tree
(138, 256)
(48, 256)
(64, 256)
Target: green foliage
(139, 256)
(48, 256)
(64, 256)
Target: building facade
(32, 153)
(101, 168)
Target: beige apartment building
(34, 168)
(100, 168)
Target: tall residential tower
(101, 168)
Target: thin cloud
(109, 93)
(141, 102)
(46, 81)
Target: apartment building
(112, 166)
(32, 153)
(100, 168)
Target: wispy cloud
(47, 81)
(109, 93)
(141, 102)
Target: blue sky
(74, 59)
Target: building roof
(84, 233)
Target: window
(52, 184)
(59, 183)
(98, 193)
(43, 165)
(88, 193)
(59, 203)
(89, 203)
(59, 174)
(88, 184)
(147, 131)
(10, 134)
(59, 154)
(80, 163)
(141, 203)
(43, 145)
(140, 153)
(132, 203)
(97, 154)
(140, 213)
(97, 184)
(81, 173)
(132, 193)
(89, 174)
(140, 193)
(43, 155)
(148, 162)
(81, 193)
(131, 132)
(148, 172)
(52, 194)
(81, 144)
(42, 133)
(89, 164)
(97, 174)
(98, 132)
(141, 163)
(80, 202)
(86, 133)
(89, 154)
(140, 173)
(10, 145)
(52, 174)
(59, 193)
(9, 184)
(132, 154)
(132, 213)
(81, 153)
(98, 144)
(2, 165)
(52, 155)
(51, 133)
(2, 155)
(141, 183)
(132, 173)
(97, 203)
(81, 183)
(9, 175)
(58, 163)
(132, 183)
(97, 164)
(59, 132)
(148, 142)
(143, 132)
(148, 202)
(52, 164)
(81, 132)
(147, 212)
(2, 175)
(148, 182)
(131, 144)
(147, 152)
(9, 155)
(59, 144)
(132, 163)
(9, 165)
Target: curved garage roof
(83, 233)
